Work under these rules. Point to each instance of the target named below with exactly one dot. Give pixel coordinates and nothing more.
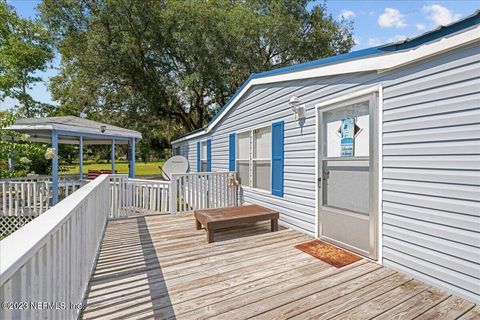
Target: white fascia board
(108, 133)
(190, 136)
(30, 127)
(380, 63)
(75, 130)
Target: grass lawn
(141, 168)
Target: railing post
(55, 166)
(80, 157)
(173, 194)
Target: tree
(15, 146)
(149, 64)
(24, 49)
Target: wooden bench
(93, 174)
(214, 219)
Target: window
(243, 158)
(254, 158)
(176, 151)
(203, 156)
(261, 161)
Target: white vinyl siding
(430, 163)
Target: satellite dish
(176, 164)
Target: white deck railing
(50, 260)
(32, 196)
(135, 197)
(46, 265)
(184, 193)
(21, 198)
(202, 190)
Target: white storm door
(347, 175)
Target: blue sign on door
(347, 136)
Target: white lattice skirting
(10, 224)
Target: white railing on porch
(135, 196)
(21, 198)
(32, 196)
(50, 260)
(202, 190)
(184, 193)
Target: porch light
(297, 108)
(103, 128)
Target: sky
(375, 22)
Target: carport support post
(80, 155)
(131, 172)
(113, 155)
(55, 166)
(10, 159)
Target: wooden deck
(161, 267)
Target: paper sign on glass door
(347, 136)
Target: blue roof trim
(323, 61)
(252, 76)
(302, 66)
(188, 133)
(391, 47)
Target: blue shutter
(232, 151)
(277, 158)
(198, 157)
(209, 155)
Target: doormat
(327, 253)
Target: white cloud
(391, 18)
(440, 15)
(346, 14)
(357, 41)
(420, 26)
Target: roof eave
(79, 131)
(189, 136)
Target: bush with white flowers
(25, 160)
(18, 147)
(50, 154)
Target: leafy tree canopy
(24, 49)
(166, 67)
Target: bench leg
(274, 225)
(209, 235)
(198, 225)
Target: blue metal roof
(369, 52)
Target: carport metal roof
(70, 128)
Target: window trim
(261, 159)
(237, 153)
(203, 158)
(251, 160)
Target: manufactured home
(376, 151)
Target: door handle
(319, 182)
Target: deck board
(160, 267)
